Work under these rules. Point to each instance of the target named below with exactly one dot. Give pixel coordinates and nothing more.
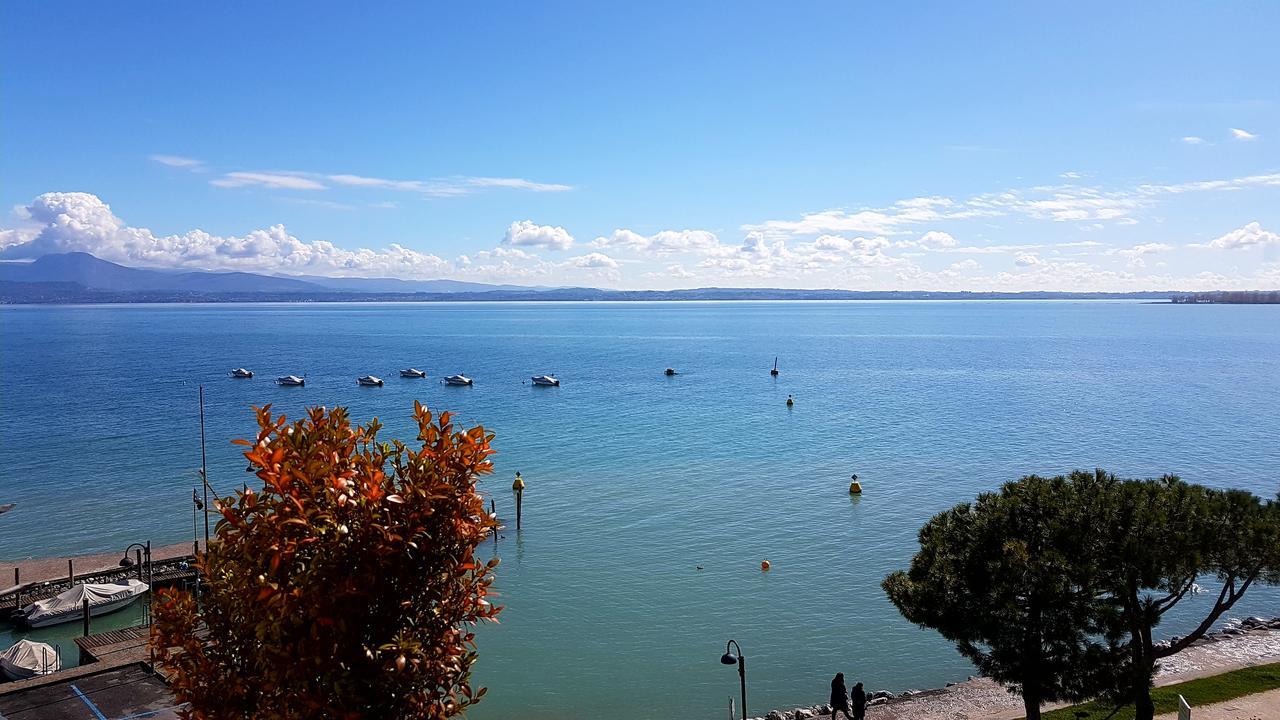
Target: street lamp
(144, 551)
(728, 658)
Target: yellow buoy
(855, 488)
(790, 402)
(518, 484)
(764, 565)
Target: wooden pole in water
(518, 486)
(204, 472)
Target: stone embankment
(1240, 643)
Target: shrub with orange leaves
(347, 587)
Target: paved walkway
(1263, 706)
(44, 569)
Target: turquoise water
(634, 479)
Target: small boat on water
(369, 381)
(68, 606)
(458, 379)
(27, 659)
(413, 373)
(670, 371)
(241, 373)
(291, 381)
(546, 381)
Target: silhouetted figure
(839, 697)
(858, 701)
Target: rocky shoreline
(1239, 643)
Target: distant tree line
(1054, 586)
(1238, 297)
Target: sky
(915, 146)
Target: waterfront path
(45, 569)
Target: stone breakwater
(1239, 643)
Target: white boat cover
(72, 601)
(29, 659)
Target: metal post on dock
(17, 598)
(86, 617)
(71, 572)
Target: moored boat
(458, 379)
(27, 659)
(241, 373)
(369, 381)
(68, 606)
(546, 380)
(413, 373)
(291, 380)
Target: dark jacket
(839, 696)
(859, 698)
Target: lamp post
(144, 551)
(728, 658)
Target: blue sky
(919, 146)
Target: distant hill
(395, 285)
(83, 278)
(95, 274)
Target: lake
(636, 479)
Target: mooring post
(71, 572)
(17, 598)
(518, 486)
(86, 617)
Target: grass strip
(1200, 692)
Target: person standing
(858, 699)
(839, 697)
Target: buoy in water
(764, 565)
(790, 402)
(855, 487)
(670, 371)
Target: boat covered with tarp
(68, 606)
(27, 659)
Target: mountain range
(82, 278)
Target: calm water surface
(635, 479)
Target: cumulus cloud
(1238, 134)
(527, 232)
(1251, 235)
(594, 260)
(1028, 260)
(81, 222)
(1135, 254)
(666, 242)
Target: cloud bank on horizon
(895, 247)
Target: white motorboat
(27, 659)
(241, 373)
(546, 380)
(413, 373)
(369, 381)
(458, 379)
(291, 380)
(68, 606)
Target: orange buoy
(764, 565)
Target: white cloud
(1193, 140)
(1135, 254)
(1028, 260)
(81, 222)
(937, 239)
(1250, 235)
(1238, 134)
(445, 187)
(1071, 175)
(666, 242)
(527, 232)
(178, 161)
(279, 181)
(594, 260)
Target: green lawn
(1204, 691)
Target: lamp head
(126, 561)
(729, 659)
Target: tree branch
(1226, 599)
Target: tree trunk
(1143, 669)
(1031, 704)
